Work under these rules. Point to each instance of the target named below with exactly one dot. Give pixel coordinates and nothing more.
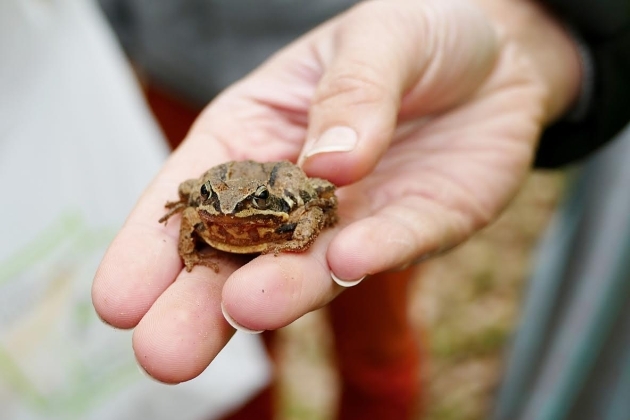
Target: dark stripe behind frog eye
(290, 196)
(285, 206)
(305, 196)
(205, 193)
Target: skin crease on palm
(447, 104)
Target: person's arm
(602, 27)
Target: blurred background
(465, 305)
(71, 110)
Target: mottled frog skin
(250, 207)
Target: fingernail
(236, 325)
(346, 283)
(335, 139)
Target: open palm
(445, 118)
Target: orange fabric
(377, 350)
(174, 116)
(375, 346)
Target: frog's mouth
(244, 235)
(258, 219)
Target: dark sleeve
(604, 27)
(122, 17)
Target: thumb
(377, 56)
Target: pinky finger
(395, 237)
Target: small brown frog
(251, 207)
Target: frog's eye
(205, 193)
(260, 197)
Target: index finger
(260, 119)
(143, 260)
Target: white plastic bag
(77, 146)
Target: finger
(412, 208)
(411, 230)
(184, 330)
(354, 109)
(273, 291)
(143, 261)
(139, 265)
(424, 55)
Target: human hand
(427, 113)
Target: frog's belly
(246, 236)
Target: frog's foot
(207, 257)
(299, 244)
(173, 207)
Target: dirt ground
(467, 301)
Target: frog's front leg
(189, 246)
(306, 231)
(185, 190)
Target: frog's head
(243, 199)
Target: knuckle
(354, 86)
